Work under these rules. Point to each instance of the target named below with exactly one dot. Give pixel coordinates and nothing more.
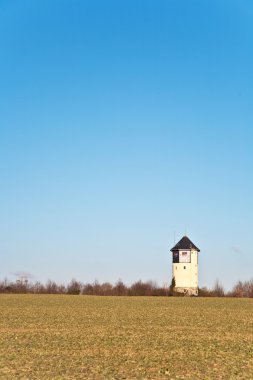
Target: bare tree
(119, 289)
(218, 289)
(74, 287)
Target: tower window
(184, 267)
(175, 257)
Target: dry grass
(81, 337)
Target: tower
(185, 266)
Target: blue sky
(122, 124)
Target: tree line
(138, 288)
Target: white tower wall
(186, 273)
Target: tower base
(187, 291)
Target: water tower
(185, 266)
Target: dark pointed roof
(185, 243)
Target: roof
(185, 243)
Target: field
(82, 337)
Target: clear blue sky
(122, 122)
